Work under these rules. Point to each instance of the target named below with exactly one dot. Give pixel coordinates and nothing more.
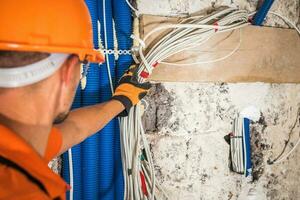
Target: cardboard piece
(266, 54)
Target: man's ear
(70, 69)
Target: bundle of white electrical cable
(138, 168)
(191, 32)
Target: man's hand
(129, 91)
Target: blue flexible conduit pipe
(97, 165)
(90, 96)
(247, 147)
(109, 132)
(262, 12)
(124, 25)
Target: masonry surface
(186, 124)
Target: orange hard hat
(62, 26)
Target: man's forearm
(83, 122)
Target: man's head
(57, 91)
(44, 26)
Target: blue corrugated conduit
(123, 25)
(90, 96)
(97, 161)
(247, 147)
(262, 12)
(108, 133)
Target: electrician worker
(42, 46)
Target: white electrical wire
(188, 34)
(133, 139)
(192, 32)
(282, 157)
(287, 154)
(134, 143)
(71, 174)
(286, 20)
(290, 23)
(105, 43)
(236, 145)
(210, 61)
(133, 8)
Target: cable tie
(141, 42)
(234, 137)
(144, 74)
(137, 13)
(217, 26)
(129, 171)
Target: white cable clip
(141, 42)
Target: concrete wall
(186, 123)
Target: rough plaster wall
(186, 123)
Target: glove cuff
(126, 103)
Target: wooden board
(266, 55)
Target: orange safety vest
(24, 174)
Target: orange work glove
(129, 91)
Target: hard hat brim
(84, 54)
